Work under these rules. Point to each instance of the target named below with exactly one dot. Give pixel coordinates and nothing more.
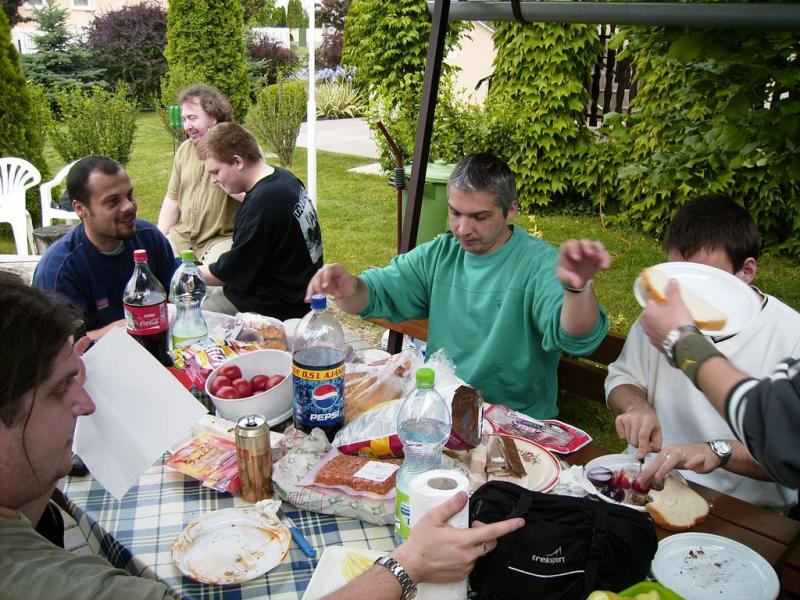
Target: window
(80, 3)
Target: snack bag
(210, 459)
(552, 434)
(200, 358)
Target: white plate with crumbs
(337, 566)
(699, 566)
(232, 545)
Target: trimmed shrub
(329, 54)
(173, 82)
(21, 122)
(277, 116)
(129, 44)
(271, 61)
(207, 38)
(94, 122)
(338, 100)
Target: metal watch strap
(395, 568)
(668, 345)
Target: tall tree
(59, 59)
(20, 124)
(205, 38)
(11, 8)
(295, 15)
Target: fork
(297, 535)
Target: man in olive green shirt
(196, 213)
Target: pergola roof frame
(721, 15)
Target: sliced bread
(705, 316)
(677, 507)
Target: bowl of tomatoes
(253, 382)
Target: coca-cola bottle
(145, 304)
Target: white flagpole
(311, 118)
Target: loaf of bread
(677, 507)
(704, 315)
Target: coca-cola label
(146, 320)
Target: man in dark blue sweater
(90, 266)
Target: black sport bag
(567, 548)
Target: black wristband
(580, 290)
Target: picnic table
(137, 532)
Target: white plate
(232, 545)
(614, 462)
(701, 565)
(541, 468)
(729, 294)
(336, 567)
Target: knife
(297, 535)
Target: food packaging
(210, 459)
(552, 434)
(354, 475)
(367, 387)
(426, 492)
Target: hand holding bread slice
(705, 316)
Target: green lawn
(357, 213)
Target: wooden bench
(583, 376)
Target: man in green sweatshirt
(504, 304)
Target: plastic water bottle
(318, 370)
(423, 425)
(145, 304)
(187, 291)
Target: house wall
(474, 59)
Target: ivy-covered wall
(716, 112)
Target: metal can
(254, 457)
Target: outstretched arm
(578, 262)
(350, 292)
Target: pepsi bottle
(318, 371)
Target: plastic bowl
(275, 404)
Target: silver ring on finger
(685, 457)
(485, 548)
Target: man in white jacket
(657, 409)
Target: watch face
(721, 448)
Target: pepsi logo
(325, 395)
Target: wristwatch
(668, 345)
(722, 449)
(409, 587)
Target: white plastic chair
(46, 193)
(17, 176)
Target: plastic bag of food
(200, 358)
(366, 387)
(265, 331)
(374, 433)
(354, 475)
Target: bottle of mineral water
(423, 425)
(187, 291)
(318, 370)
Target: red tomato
(218, 382)
(243, 387)
(231, 372)
(260, 383)
(227, 392)
(275, 380)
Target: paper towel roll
(427, 491)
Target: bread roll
(677, 507)
(704, 315)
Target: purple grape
(617, 494)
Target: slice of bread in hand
(677, 507)
(705, 316)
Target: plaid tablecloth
(136, 533)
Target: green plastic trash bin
(433, 213)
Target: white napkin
(141, 411)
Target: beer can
(254, 457)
